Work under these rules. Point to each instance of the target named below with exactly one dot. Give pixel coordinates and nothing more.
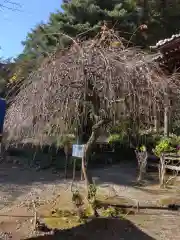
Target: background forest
(139, 23)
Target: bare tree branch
(92, 76)
(13, 6)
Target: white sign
(78, 150)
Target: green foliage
(176, 127)
(116, 139)
(88, 211)
(79, 19)
(149, 139)
(141, 139)
(82, 19)
(167, 145)
(65, 140)
(6, 72)
(119, 133)
(92, 190)
(141, 148)
(111, 212)
(175, 140)
(163, 146)
(93, 203)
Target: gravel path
(18, 186)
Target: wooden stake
(74, 169)
(66, 164)
(66, 151)
(81, 170)
(162, 171)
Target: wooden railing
(167, 161)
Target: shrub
(141, 148)
(149, 140)
(164, 145)
(117, 139)
(167, 144)
(176, 127)
(64, 140)
(118, 134)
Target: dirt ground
(20, 187)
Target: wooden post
(166, 122)
(162, 170)
(166, 113)
(81, 170)
(74, 169)
(82, 176)
(66, 164)
(156, 117)
(142, 163)
(66, 150)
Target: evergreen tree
(83, 19)
(139, 22)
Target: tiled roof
(163, 42)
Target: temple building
(169, 53)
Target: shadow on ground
(100, 228)
(125, 174)
(16, 180)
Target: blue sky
(15, 25)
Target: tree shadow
(100, 228)
(125, 174)
(16, 180)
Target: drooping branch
(166, 112)
(86, 82)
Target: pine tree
(83, 19)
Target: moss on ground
(62, 216)
(115, 200)
(169, 200)
(62, 222)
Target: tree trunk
(166, 114)
(170, 115)
(156, 117)
(87, 175)
(67, 149)
(166, 122)
(87, 152)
